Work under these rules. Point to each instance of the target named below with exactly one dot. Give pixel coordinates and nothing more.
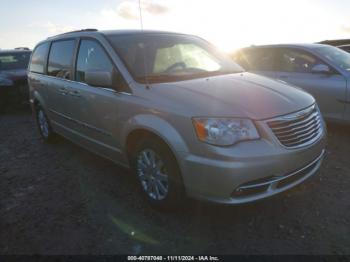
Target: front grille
(298, 129)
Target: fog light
(250, 191)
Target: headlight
(225, 131)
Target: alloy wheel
(152, 174)
(43, 124)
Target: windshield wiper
(157, 78)
(213, 73)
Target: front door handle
(63, 91)
(75, 93)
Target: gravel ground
(61, 199)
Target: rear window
(14, 61)
(38, 61)
(61, 58)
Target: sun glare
(235, 24)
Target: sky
(229, 24)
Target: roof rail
(76, 31)
(22, 48)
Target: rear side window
(61, 58)
(260, 59)
(38, 61)
(91, 57)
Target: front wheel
(158, 174)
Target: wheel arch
(38, 100)
(149, 125)
(141, 133)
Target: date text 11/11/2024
(173, 258)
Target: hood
(235, 95)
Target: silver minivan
(321, 70)
(186, 119)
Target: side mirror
(99, 78)
(321, 69)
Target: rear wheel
(158, 174)
(44, 126)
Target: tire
(160, 180)
(44, 125)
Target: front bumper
(260, 170)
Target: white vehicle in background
(321, 70)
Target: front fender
(159, 127)
(36, 96)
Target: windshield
(170, 57)
(14, 61)
(336, 55)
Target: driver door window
(296, 61)
(91, 57)
(295, 67)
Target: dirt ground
(61, 199)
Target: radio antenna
(143, 47)
(141, 19)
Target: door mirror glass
(95, 68)
(99, 78)
(321, 69)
